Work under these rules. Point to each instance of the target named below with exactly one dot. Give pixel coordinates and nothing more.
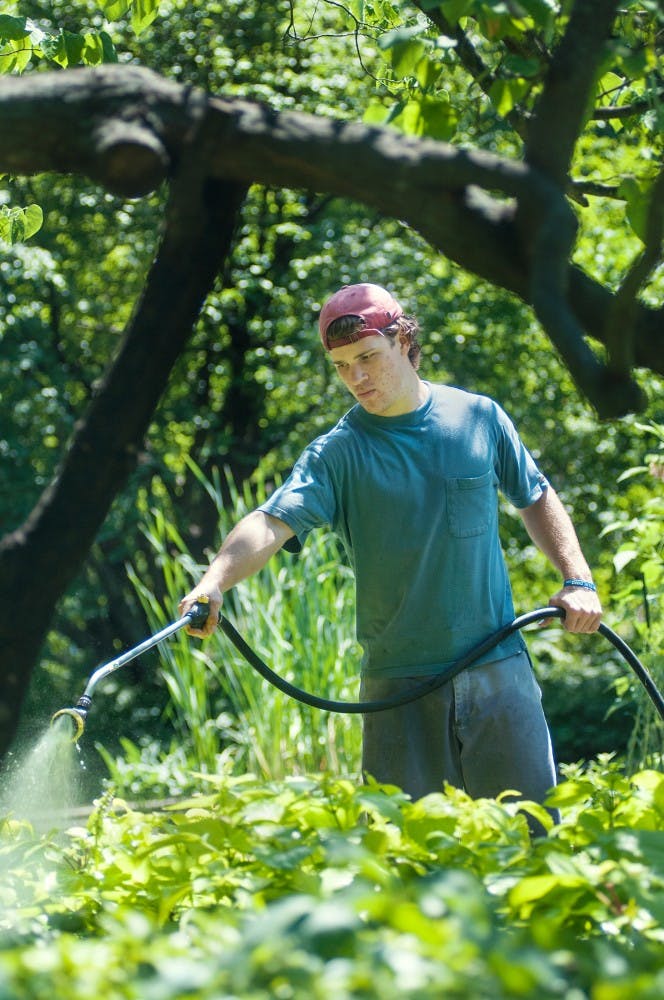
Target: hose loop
(432, 683)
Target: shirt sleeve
(306, 500)
(520, 479)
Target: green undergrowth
(319, 888)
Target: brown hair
(344, 327)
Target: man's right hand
(213, 600)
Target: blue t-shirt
(415, 500)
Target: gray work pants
(483, 731)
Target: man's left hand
(583, 610)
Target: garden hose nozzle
(78, 715)
(196, 616)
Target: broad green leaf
(505, 94)
(15, 56)
(623, 558)
(609, 85)
(636, 194)
(406, 57)
(108, 48)
(569, 793)
(521, 66)
(375, 113)
(73, 47)
(534, 888)
(115, 9)
(19, 224)
(143, 13)
(427, 116)
(541, 11)
(33, 220)
(452, 9)
(13, 28)
(356, 7)
(92, 52)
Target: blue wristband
(586, 584)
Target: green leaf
(19, 224)
(356, 7)
(505, 94)
(452, 9)
(637, 470)
(92, 52)
(541, 11)
(406, 57)
(143, 14)
(15, 56)
(69, 48)
(115, 9)
(623, 558)
(636, 194)
(521, 66)
(108, 48)
(13, 28)
(534, 888)
(425, 116)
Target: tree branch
(483, 211)
(622, 111)
(620, 325)
(552, 135)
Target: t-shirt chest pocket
(470, 505)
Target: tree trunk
(39, 560)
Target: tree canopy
(231, 171)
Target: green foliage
(639, 572)
(26, 41)
(298, 615)
(314, 887)
(143, 12)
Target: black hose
(432, 683)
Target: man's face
(378, 372)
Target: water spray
(195, 617)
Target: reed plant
(298, 614)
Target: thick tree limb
(484, 212)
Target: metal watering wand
(196, 616)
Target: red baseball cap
(371, 303)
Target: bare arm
(549, 525)
(245, 550)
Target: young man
(409, 479)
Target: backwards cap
(371, 303)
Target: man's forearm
(246, 549)
(551, 529)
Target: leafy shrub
(314, 887)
